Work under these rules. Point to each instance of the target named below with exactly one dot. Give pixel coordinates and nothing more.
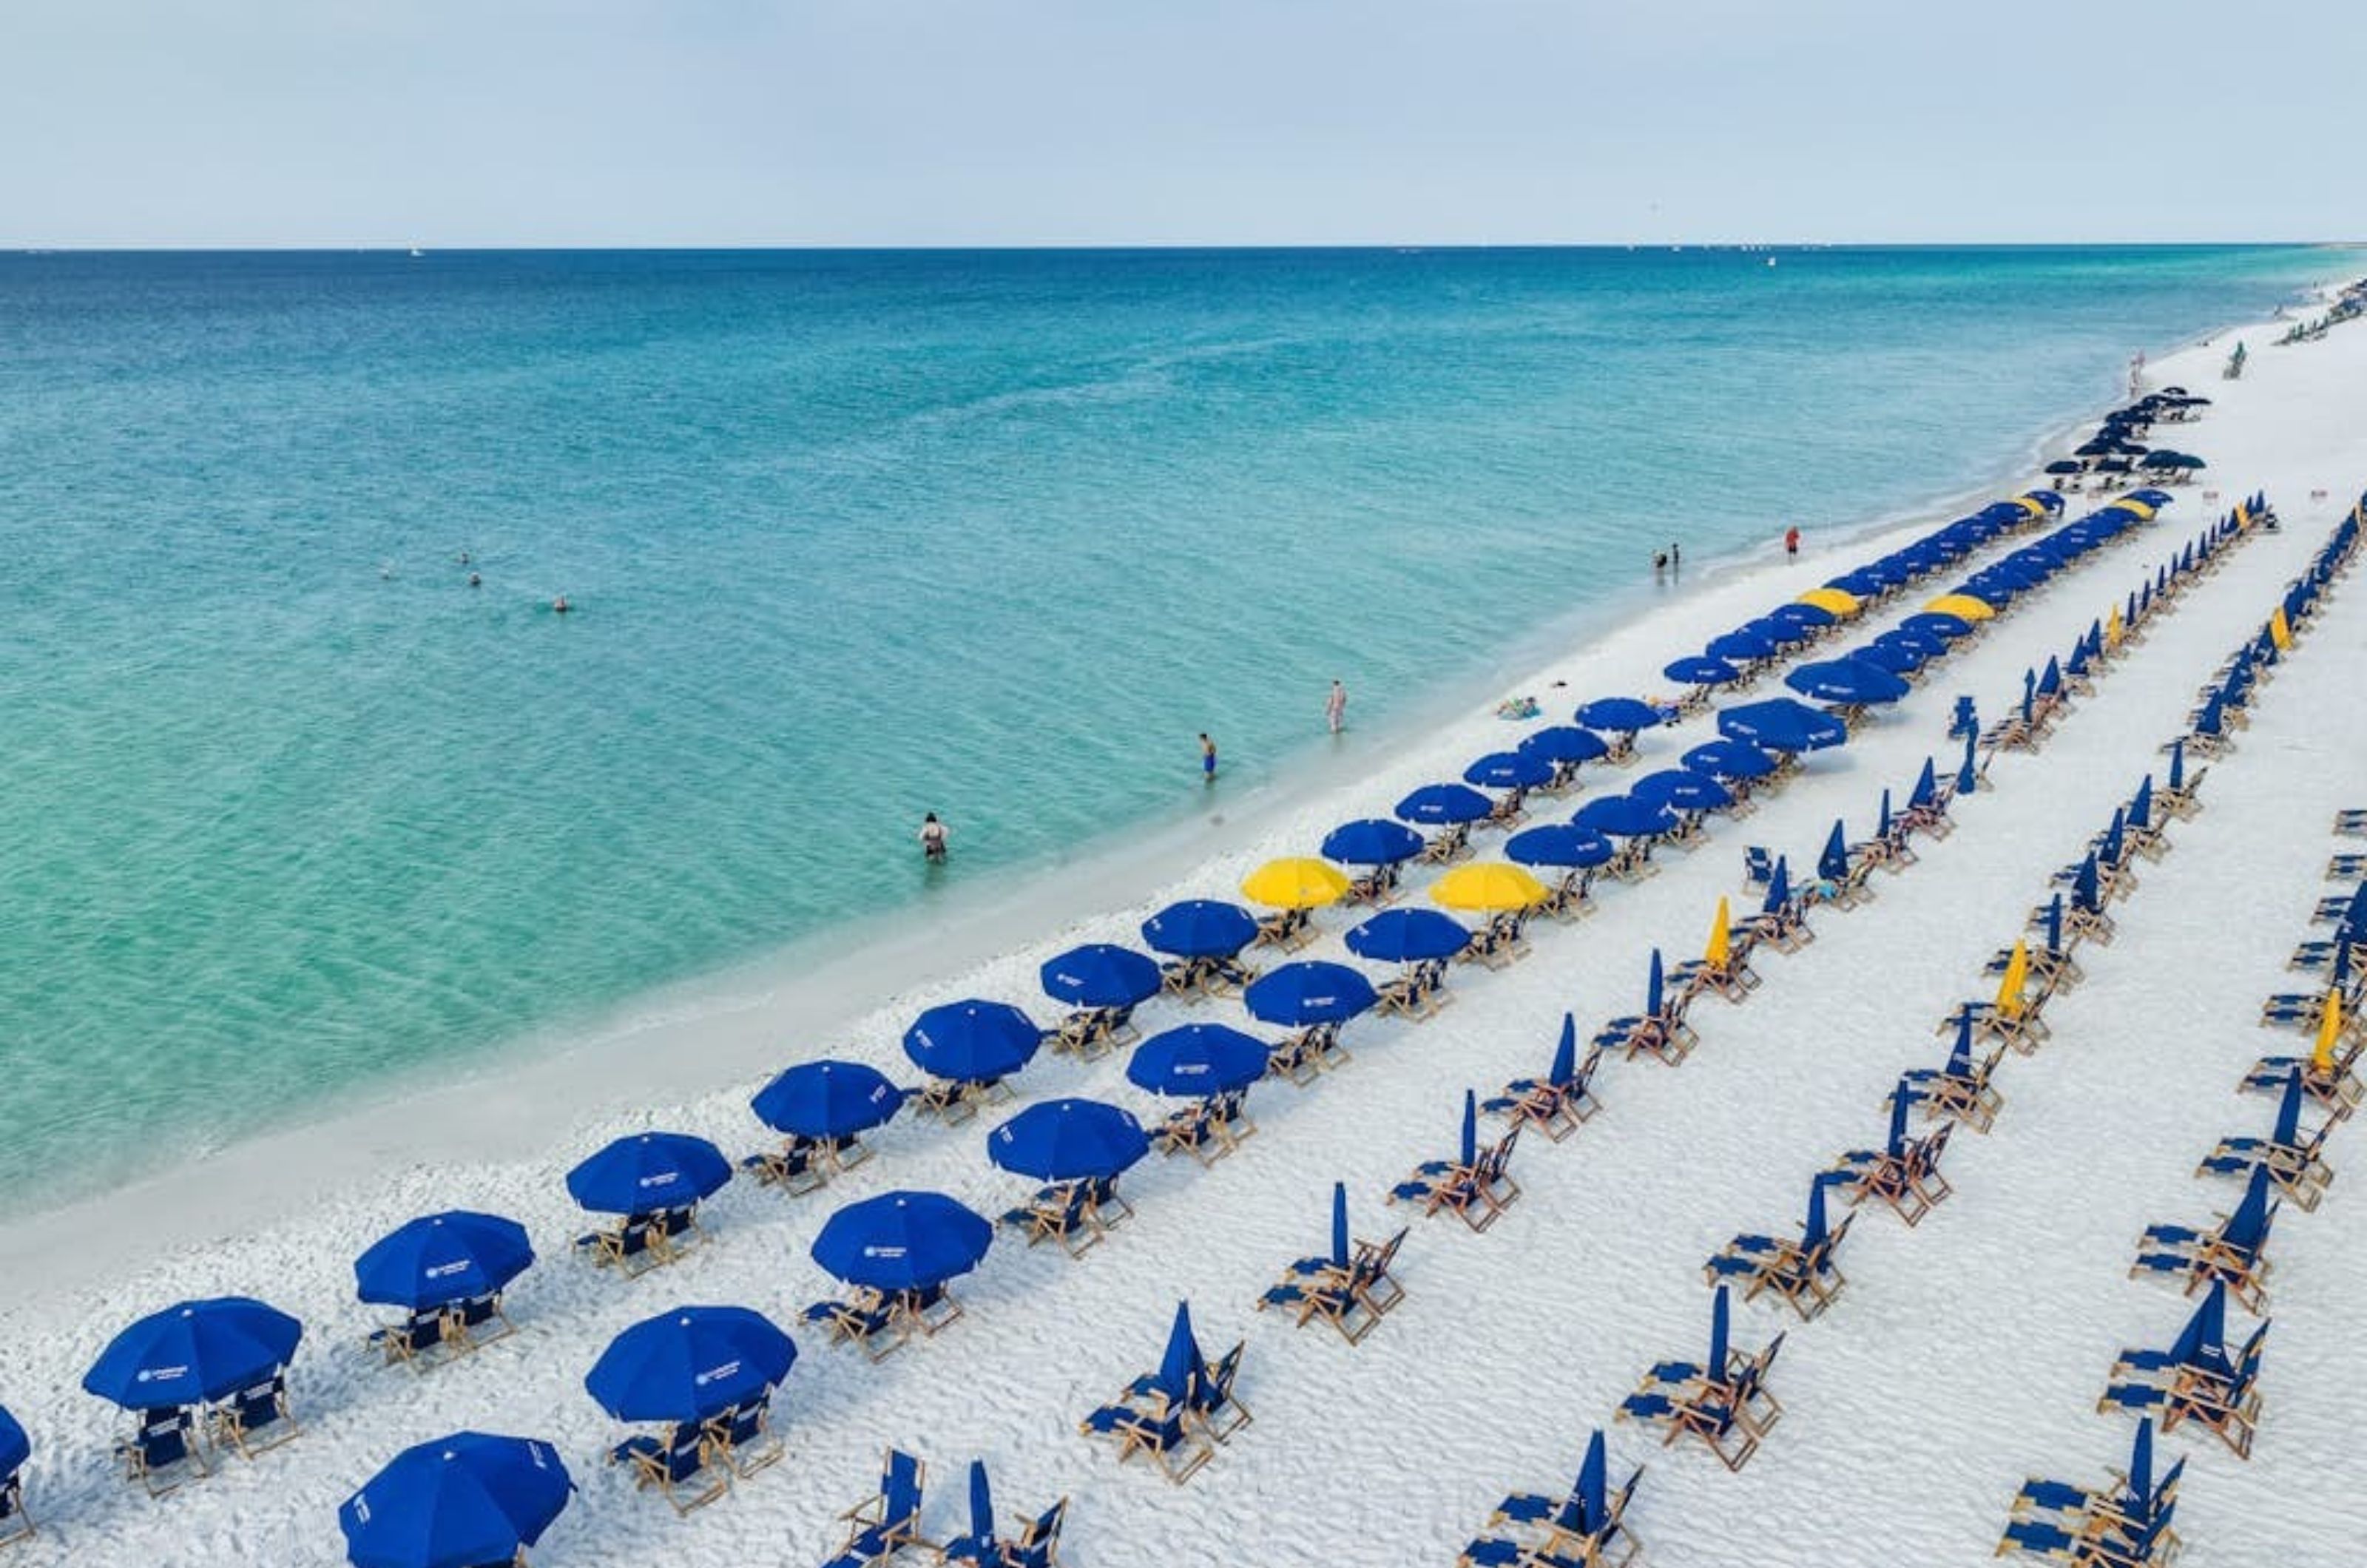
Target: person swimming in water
(932, 838)
(559, 605)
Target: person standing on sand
(932, 838)
(1207, 758)
(1791, 543)
(1335, 706)
(1676, 557)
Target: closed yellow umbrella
(1492, 885)
(1836, 601)
(1964, 606)
(1295, 884)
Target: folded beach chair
(680, 1463)
(163, 1452)
(883, 1526)
(254, 1419)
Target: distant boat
(1771, 260)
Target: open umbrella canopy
(690, 1364)
(1296, 882)
(973, 1042)
(1566, 743)
(1898, 658)
(1682, 789)
(16, 1447)
(1782, 724)
(1198, 1060)
(1564, 845)
(459, 1502)
(1848, 681)
(2066, 466)
(1619, 715)
(1101, 975)
(440, 1259)
(1371, 841)
(827, 1100)
(1439, 805)
(902, 1241)
(1311, 992)
(194, 1352)
(643, 1172)
(1807, 618)
(1068, 1140)
(1937, 624)
(1627, 816)
(1730, 760)
(1832, 600)
(1202, 928)
(1509, 770)
(1409, 936)
(1492, 886)
(1962, 606)
(1746, 643)
(1702, 670)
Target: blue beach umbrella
(1849, 681)
(1749, 644)
(1782, 724)
(2246, 1229)
(1299, 995)
(1566, 743)
(690, 1364)
(1182, 1370)
(1898, 658)
(1655, 986)
(459, 1502)
(16, 1447)
(1068, 1140)
(1779, 887)
(1813, 617)
(2202, 1343)
(1564, 1071)
(1626, 817)
(1509, 770)
(1926, 793)
(1339, 1224)
(827, 1100)
(1409, 936)
(643, 1172)
(1730, 760)
(1938, 624)
(1833, 864)
(972, 1042)
(981, 1507)
(1967, 778)
(1813, 1232)
(1371, 841)
(1101, 975)
(1470, 1144)
(1197, 1059)
(901, 1241)
(1619, 715)
(1441, 804)
(1682, 789)
(2084, 888)
(2055, 924)
(440, 1259)
(1894, 1143)
(1702, 670)
(1564, 845)
(1200, 927)
(1588, 1507)
(2288, 1128)
(1720, 1333)
(194, 1352)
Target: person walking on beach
(932, 838)
(1207, 758)
(1676, 557)
(1335, 706)
(1791, 543)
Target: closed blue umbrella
(643, 1172)
(1182, 1370)
(1882, 818)
(1626, 817)
(16, 1447)
(1440, 804)
(1967, 779)
(1409, 936)
(1201, 928)
(1779, 886)
(1833, 864)
(1702, 670)
(1509, 770)
(1927, 787)
(1720, 1332)
(1299, 995)
(1372, 840)
(1197, 1059)
(1656, 985)
(1730, 760)
(1782, 724)
(1566, 743)
(1564, 1071)
(194, 1352)
(1846, 681)
(1680, 789)
(440, 1259)
(1339, 1224)
(1619, 715)
(1101, 975)
(827, 1100)
(1470, 1142)
(901, 1241)
(1564, 845)
(690, 1364)
(972, 1042)
(1068, 1140)
(459, 1502)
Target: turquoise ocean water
(287, 810)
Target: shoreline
(684, 1045)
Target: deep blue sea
(288, 807)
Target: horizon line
(318, 247)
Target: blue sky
(440, 122)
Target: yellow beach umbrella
(1489, 884)
(1295, 884)
(1721, 937)
(2131, 504)
(1835, 600)
(2036, 508)
(2321, 1061)
(1964, 606)
(2113, 629)
(2017, 975)
(2281, 630)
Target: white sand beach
(1965, 1355)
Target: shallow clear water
(287, 807)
